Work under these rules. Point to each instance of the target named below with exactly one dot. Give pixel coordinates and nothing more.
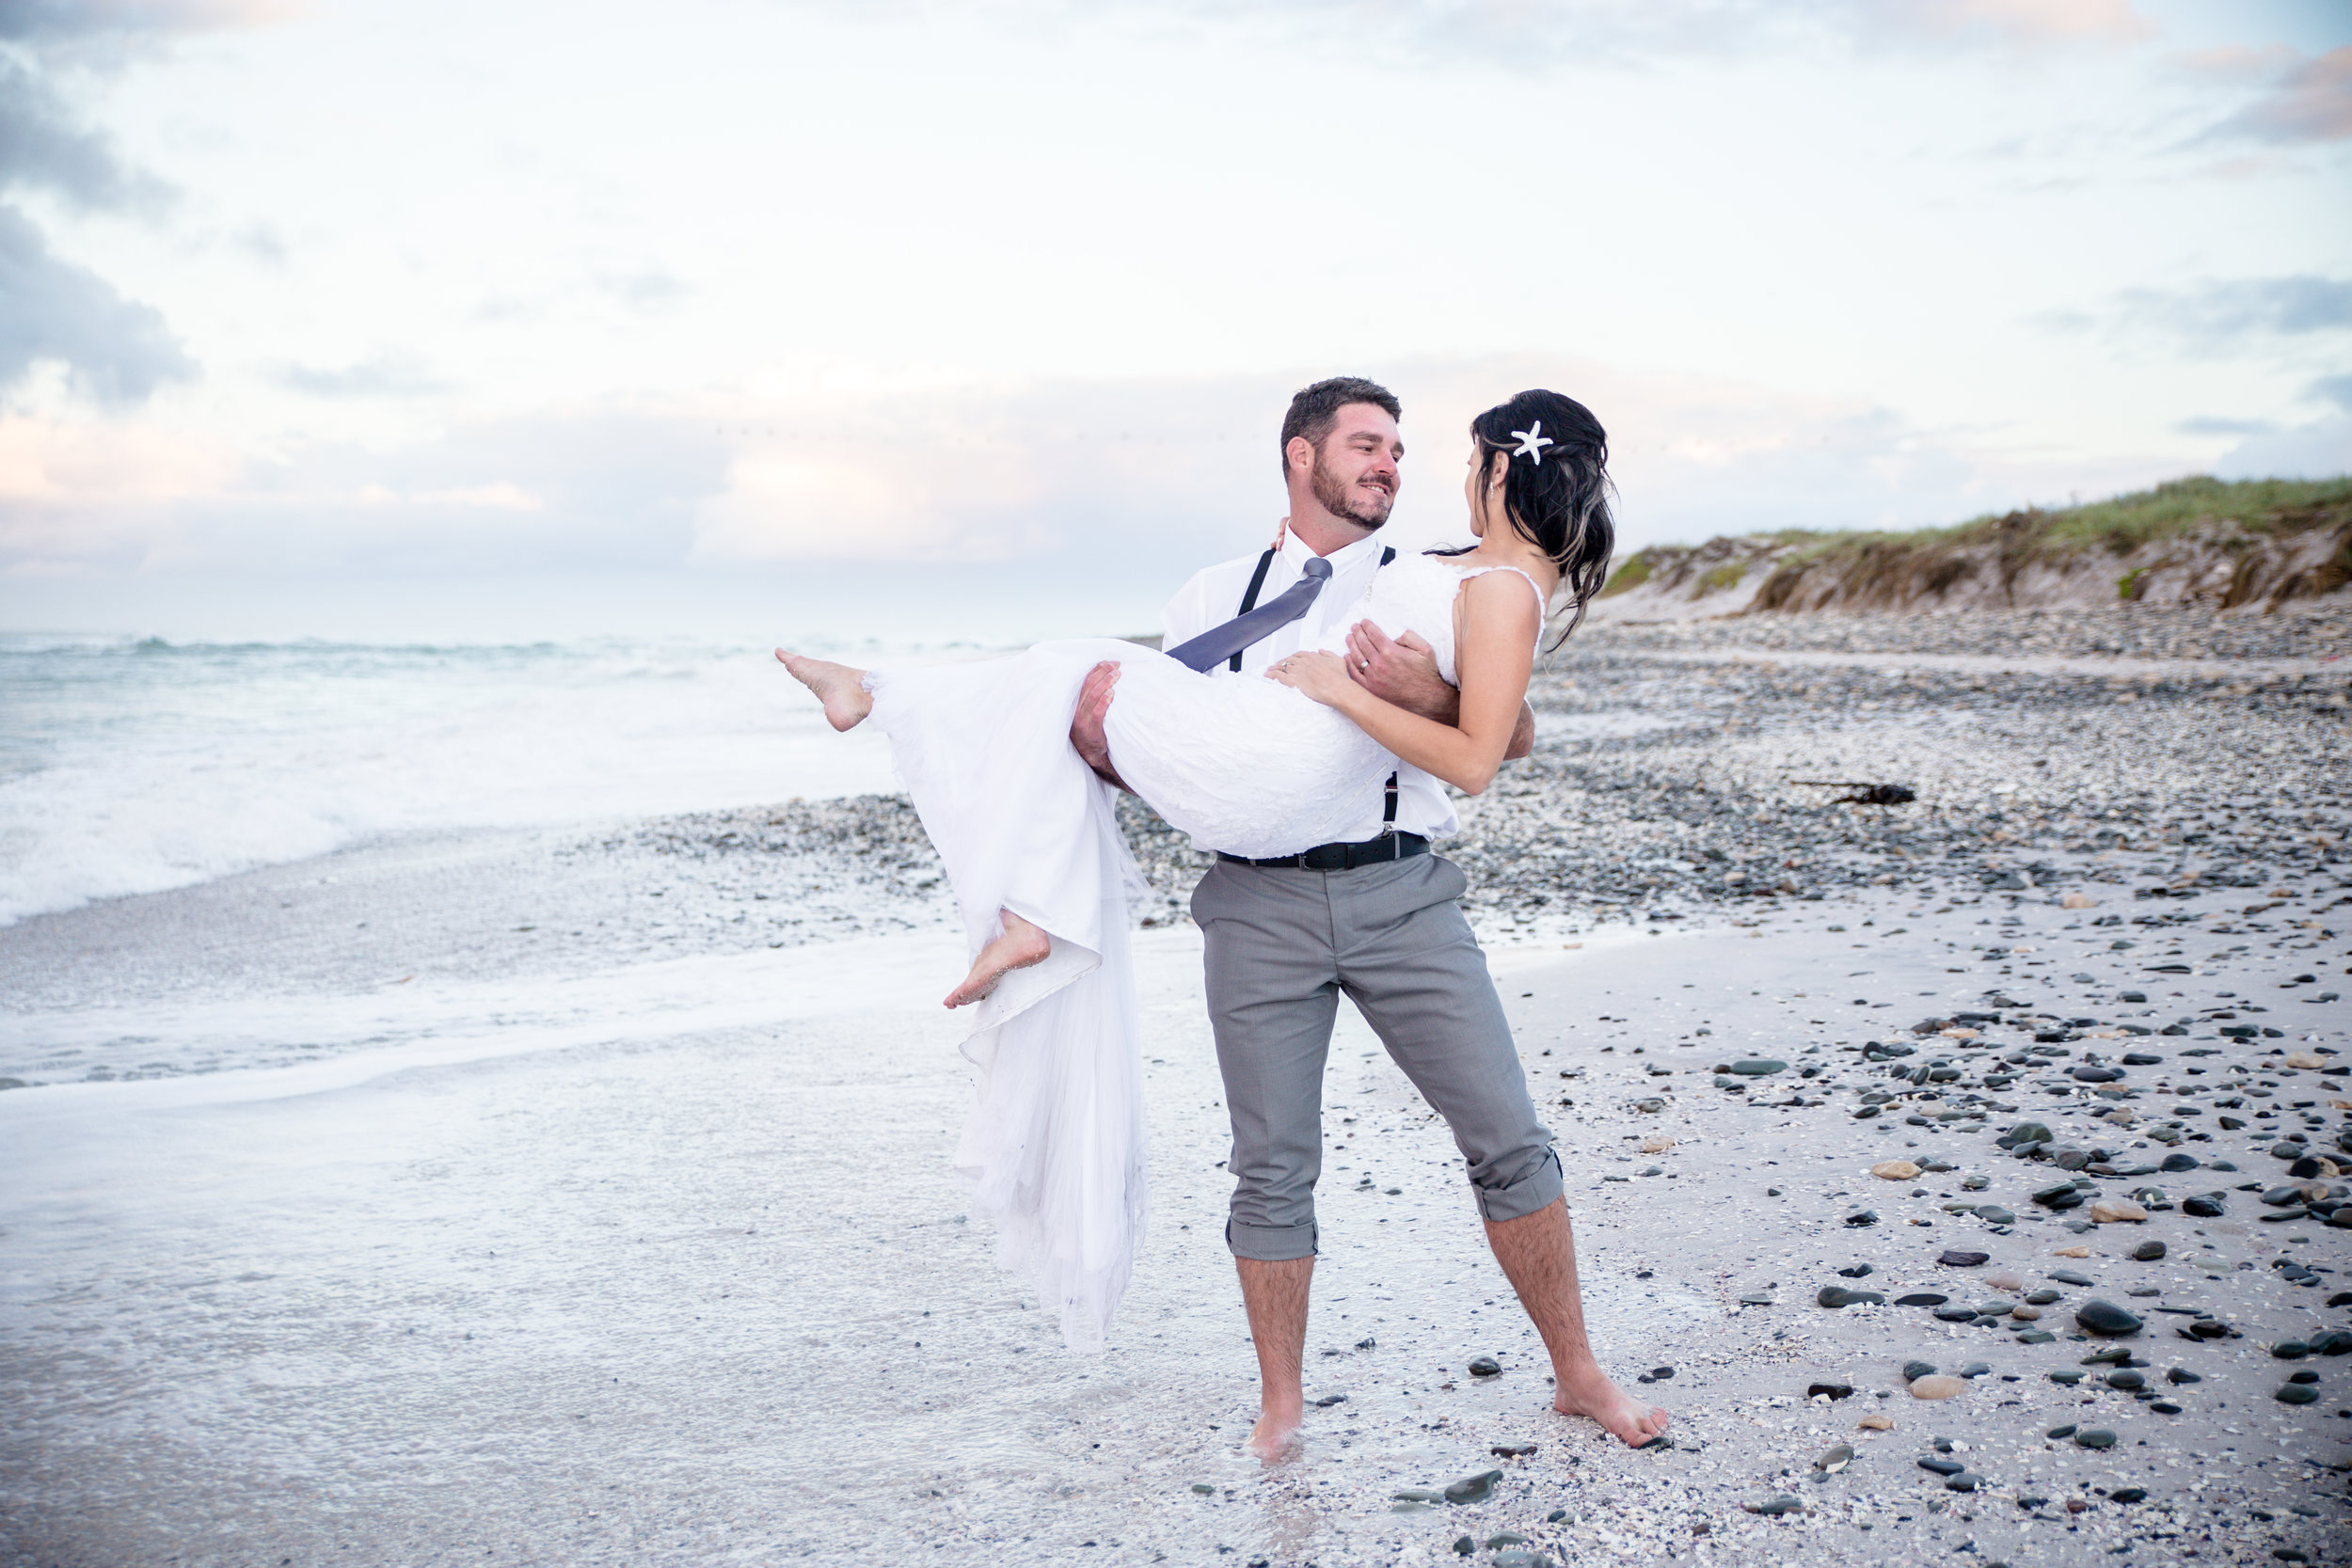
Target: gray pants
(1281, 945)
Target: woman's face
(1477, 487)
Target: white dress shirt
(1213, 597)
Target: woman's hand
(1322, 676)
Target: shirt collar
(1297, 555)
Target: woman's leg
(841, 689)
(1017, 946)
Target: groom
(1374, 916)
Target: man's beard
(1367, 508)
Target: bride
(1255, 768)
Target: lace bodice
(1416, 592)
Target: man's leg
(1409, 961)
(1275, 1296)
(1537, 1253)
(1272, 996)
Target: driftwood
(1865, 792)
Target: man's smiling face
(1354, 477)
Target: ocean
(136, 765)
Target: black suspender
(1388, 814)
(1249, 602)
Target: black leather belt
(1345, 857)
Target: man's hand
(1086, 726)
(1404, 671)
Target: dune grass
(2119, 523)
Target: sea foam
(131, 766)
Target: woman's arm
(1405, 672)
(1494, 654)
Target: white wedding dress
(1055, 1143)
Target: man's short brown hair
(1315, 409)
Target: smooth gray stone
(2101, 1316)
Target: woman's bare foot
(1594, 1398)
(841, 689)
(1017, 946)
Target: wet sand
(504, 1246)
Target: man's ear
(1299, 454)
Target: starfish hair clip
(1532, 442)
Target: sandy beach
(583, 1197)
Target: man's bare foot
(841, 689)
(1594, 1398)
(1274, 1435)
(1017, 946)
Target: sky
(430, 320)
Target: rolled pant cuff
(1537, 1190)
(1273, 1243)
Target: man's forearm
(1522, 734)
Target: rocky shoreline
(2023, 779)
(1965, 1172)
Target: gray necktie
(1218, 643)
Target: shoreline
(474, 1233)
(580, 1282)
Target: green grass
(1632, 572)
(2119, 523)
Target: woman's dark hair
(1561, 504)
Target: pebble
(1838, 1295)
(2115, 1211)
(1835, 1459)
(1958, 1259)
(1774, 1507)
(1876, 1423)
(2295, 1393)
(2099, 1317)
(2148, 1252)
(2070, 1277)
(1485, 1365)
(1938, 1387)
(1895, 1170)
(1473, 1489)
(2095, 1437)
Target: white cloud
(941, 286)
